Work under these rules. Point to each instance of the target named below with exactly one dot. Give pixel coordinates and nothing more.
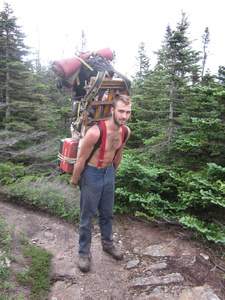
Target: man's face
(121, 113)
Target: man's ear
(112, 110)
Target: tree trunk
(7, 87)
(171, 113)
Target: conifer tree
(142, 61)
(83, 44)
(178, 68)
(29, 108)
(179, 63)
(14, 70)
(138, 95)
(205, 41)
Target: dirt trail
(159, 263)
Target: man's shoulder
(92, 135)
(126, 127)
(127, 130)
(94, 130)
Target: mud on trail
(160, 262)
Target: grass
(36, 277)
(5, 257)
(34, 263)
(56, 196)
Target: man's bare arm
(86, 148)
(120, 152)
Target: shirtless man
(97, 183)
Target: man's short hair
(124, 98)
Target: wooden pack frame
(102, 103)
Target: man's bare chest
(113, 141)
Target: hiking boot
(84, 264)
(116, 254)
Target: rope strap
(69, 160)
(84, 63)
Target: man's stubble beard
(116, 121)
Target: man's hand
(75, 182)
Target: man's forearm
(78, 169)
(117, 161)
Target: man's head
(121, 109)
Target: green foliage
(209, 231)
(36, 274)
(6, 261)
(55, 196)
(215, 173)
(205, 139)
(202, 195)
(200, 190)
(141, 185)
(30, 110)
(36, 277)
(5, 245)
(11, 172)
(195, 199)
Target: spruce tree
(30, 110)
(142, 62)
(139, 119)
(206, 42)
(14, 70)
(178, 62)
(165, 89)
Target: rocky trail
(160, 262)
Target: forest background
(173, 168)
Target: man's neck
(112, 125)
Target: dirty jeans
(97, 187)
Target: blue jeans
(97, 187)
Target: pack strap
(96, 86)
(97, 145)
(85, 63)
(102, 148)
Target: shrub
(202, 195)
(10, 172)
(142, 186)
(55, 196)
(195, 199)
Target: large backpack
(75, 73)
(90, 77)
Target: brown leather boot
(116, 254)
(84, 264)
